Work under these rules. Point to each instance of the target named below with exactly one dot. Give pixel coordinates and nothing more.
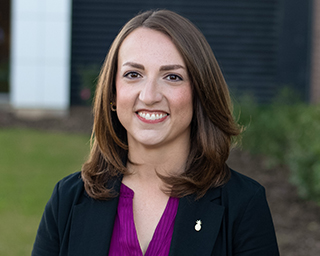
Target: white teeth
(152, 116)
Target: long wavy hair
(212, 125)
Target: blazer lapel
(186, 240)
(92, 226)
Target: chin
(152, 144)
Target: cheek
(186, 98)
(121, 97)
(123, 103)
(122, 106)
(123, 94)
(184, 104)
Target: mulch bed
(297, 222)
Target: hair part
(212, 126)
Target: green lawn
(31, 162)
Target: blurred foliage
(88, 82)
(288, 133)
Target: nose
(150, 93)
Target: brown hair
(212, 126)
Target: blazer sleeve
(254, 233)
(47, 238)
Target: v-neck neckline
(163, 229)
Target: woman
(156, 182)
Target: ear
(113, 103)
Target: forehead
(144, 43)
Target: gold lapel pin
(197, 227)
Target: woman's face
(154, 95)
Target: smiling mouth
(153, 116)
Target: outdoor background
(269, 52)
(34, 155)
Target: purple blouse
(124, 238)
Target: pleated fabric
(124, 238)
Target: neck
(165, 160)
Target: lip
(154, 116)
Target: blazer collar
(186, 240)
(92, 225)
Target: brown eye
(132, 75)
(173, 77)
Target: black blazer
(235, 221)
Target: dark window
(4, 45)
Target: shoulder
(242, 183)
(71, 184)
(242, 196)
(240, 192)
(68, 191)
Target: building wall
(244, 36)
(40, 56)
(315, 57)
(261, 46)
(294, 46)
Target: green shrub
(88, 79)
(288, 133)
(303, 158)
(266, 129)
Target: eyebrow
(170, 67)
(162, 68)
(134, 65)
